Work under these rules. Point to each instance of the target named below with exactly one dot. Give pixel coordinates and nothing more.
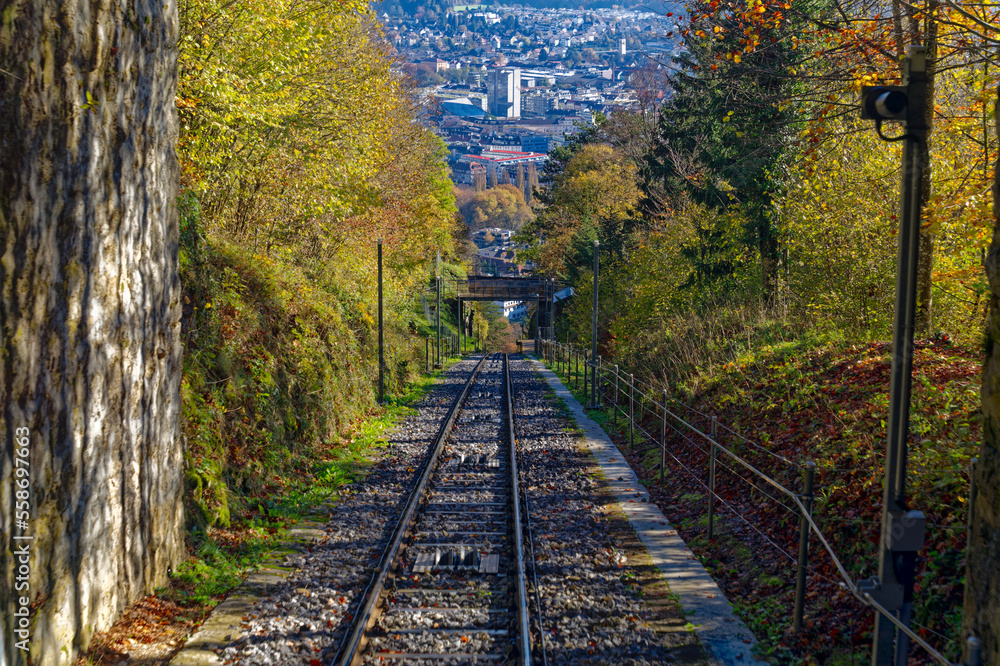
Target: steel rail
(365, 617)
(522, 594)
(534, 576)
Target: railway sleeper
(457, 559)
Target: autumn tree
(531, 183)
(503, 207)
(594, 196)
(299, 148)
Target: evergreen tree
(723, 134)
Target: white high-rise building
(503, 93)
(623, 46)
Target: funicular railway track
(451, 586)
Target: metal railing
(567, 360)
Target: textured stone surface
(982, 580)
(89, 308)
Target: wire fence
(636, 402)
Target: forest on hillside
(747, 230)
(298, 151)
(756, 188)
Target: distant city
(504, 85)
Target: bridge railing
(622, 393)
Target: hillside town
(507, 84)
(504, 85)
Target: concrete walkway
(723, 635)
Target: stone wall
(982, 579)
(89, 310)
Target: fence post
(586, 400)
(614, 411)
(711, 479)
(809, 476)
(594, 379)
(631, 409)
(973, 651)
(972, 494)
(663, 438)
(574, 367)
(576, 373)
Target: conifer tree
(723, 134)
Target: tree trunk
(923, 320)
(89, 309)
(768, 247)
(982, 578)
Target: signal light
(883, 102)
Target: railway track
(451, 586)
(404, 572)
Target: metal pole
(593, 331)
(614, 411)
(427, 355)
(973, 650)
(663, 438)
(711, 479)
(437, 284)
(631, 409)
(902, 530)
(598, 367)
(809, 476)
(461, 325)
(568, 356)
(552, 309)
(585, 385)
(381, 337)
(538, 329)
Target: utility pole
(381, 337)
(903, 529)
(552, 316)
(593, 332)
(461, 325)
(538, 328)
(437, 285)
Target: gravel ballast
(591, 574)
